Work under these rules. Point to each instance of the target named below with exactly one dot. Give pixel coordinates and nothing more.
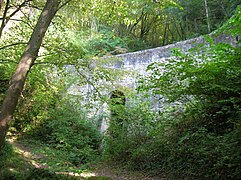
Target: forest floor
(35, 157)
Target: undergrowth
(198, 134)
(69, 131)
(13, 165)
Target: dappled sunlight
(27, 154)
(13, 170)
(39, 160)
(82, 175)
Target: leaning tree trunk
(29, 56)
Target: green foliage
(212, 81)
(199, 140)
(135, 127)
(232, 26)
(100, 43)
(193, 152)
(16, 166)
(39, 173)
(68, 130)
(3, 83)
(180, 147)
(13, 166)
(147, 23)
(197, 134)
(40, 95)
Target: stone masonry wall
(138, 61)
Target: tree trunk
(30, 54)
(207, 15)
(165, 35)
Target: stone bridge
(131, 65)
(138, 61)
(135, 63)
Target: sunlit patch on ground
(83, 175)
(39, 161)
(29, 156)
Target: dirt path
(122, 174)
(101, 172)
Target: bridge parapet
(138, 61)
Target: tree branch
(14, 44)
(56, 63)
(64, 4)
(6, 19)
(91, 83)
(8, 61)
(28, 22)
(18, 8)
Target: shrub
(68, 130)
(122, 139)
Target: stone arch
(117, 100)
(117, 107)
(117, 97)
